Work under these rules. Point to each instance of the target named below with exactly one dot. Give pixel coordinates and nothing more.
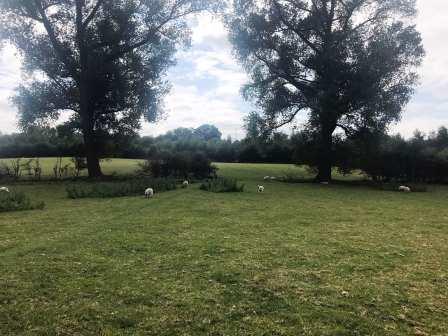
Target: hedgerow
(119, 189)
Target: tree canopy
(103, 60)
(348, 64)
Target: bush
(119, 189)
(179, 165)
(222, 184)
(16, 201)
(384, 158)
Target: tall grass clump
(222, 184)
(18, 201)
(119, 189)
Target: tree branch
(290, 79)
(348, 132)
(92, 14)
(153, 32)
(291, 27)
(289, 120)
(60, 52)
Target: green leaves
(105, 61)
(348, 65)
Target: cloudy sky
(207, 80)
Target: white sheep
(149, 193)
(266, 178)
(185, 184)
(260, 188)
(4, 189)
(404, 189)
(273, 178)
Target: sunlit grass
(298, 259)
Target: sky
(207, 79)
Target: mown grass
(299, 259)
(109, 166)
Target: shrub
(16, 201)
(421, 159)
(119, 189)
(179, 165)
(222, 184)
(201, 167)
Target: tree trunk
(91, 150)
(93, 161)
(325, 159)
(87, 115)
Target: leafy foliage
(103, 60)
(222, 184)
(132, 187)
(383, 157)
(179, 165)
(418, 159)
(18, 201)
(41, 142)
(342, 64)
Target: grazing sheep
(266, 178)
(260, 188)
(404, 189)
(149, 193)
(273, 178)
(185, 184)
(4, 189)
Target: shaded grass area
(299, 259)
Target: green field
(299, 259)
(109, 166)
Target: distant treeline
(206, 139)
(421, 158)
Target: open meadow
(298, 259)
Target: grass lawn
(299, 259)
(109, 166)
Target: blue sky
(206, 81)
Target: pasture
(298, 259)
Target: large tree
(348, 64)
(105, 60)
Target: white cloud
(428, 109)
(214, 82)
(9, 79)
(207, 28)
(189, 107)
